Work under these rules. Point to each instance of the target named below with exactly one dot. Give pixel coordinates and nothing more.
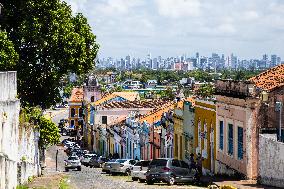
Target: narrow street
(91, 178)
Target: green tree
(8, 56)
(49, 132)
(205, 90)
(51, 42)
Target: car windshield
(158, 162)
(73, 158)
(121, 160)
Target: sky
(247, 28)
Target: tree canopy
(51, 42)
(8, 56)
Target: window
(72, 112)
(240, 143)
(221, 139)
(80, 112)
(175, 163)
(184, 165)
(92, 99)
(72, 122)
(180, 145)
(104, 119)
(230, 139)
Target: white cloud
(161, 26)
(178, 8)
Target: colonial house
(178, 131)
(245, 110)
(237, 109)
(75, 108)
(188, 127)
(204, 133)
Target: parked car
(86, 159)
(139, 170)
(122, 166)
(107, 165)
(170, 171)
(97, 161)
(73, 162)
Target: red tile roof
(270, 79)
(77, 95)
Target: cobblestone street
(91, 178)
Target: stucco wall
(9, 121)
(271, 161)
(240, 113)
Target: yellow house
(75, 107)
(178, 131)
(205, 133)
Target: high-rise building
(273, 61)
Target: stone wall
(9, 121)
(28, 153)
(271, 161)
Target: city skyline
(162, 27)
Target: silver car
(73, 162)
(122, 166)
(139, 170)
(86, 159)
(107, 165)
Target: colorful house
(236, 133)
(178, 131)
(188, 127)
(204, 133)
(75, 108)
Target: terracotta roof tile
(130, 96)
(270, 79)
(156, 115)
(76, 95)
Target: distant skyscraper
(273, 60)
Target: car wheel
(66, 169)
(134, 178)
(150, 182)
(142, 180)
(79, 168)
(127, 172)
(171, 181)
(113, 174)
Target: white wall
(271, 161)
(9, 122)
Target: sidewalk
(240, 184)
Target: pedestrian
(199, 164)
(192, 162)
(136, 158)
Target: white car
(73, 162)
(122, 166)
(139, 170)
(86, 159)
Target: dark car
(170, 171)
(97, 161)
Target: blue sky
(249, 28)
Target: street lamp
(278, 108)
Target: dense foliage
(49, 132)
(51, 43)
(8, 56)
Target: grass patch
(22, 187)
(63, 184)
